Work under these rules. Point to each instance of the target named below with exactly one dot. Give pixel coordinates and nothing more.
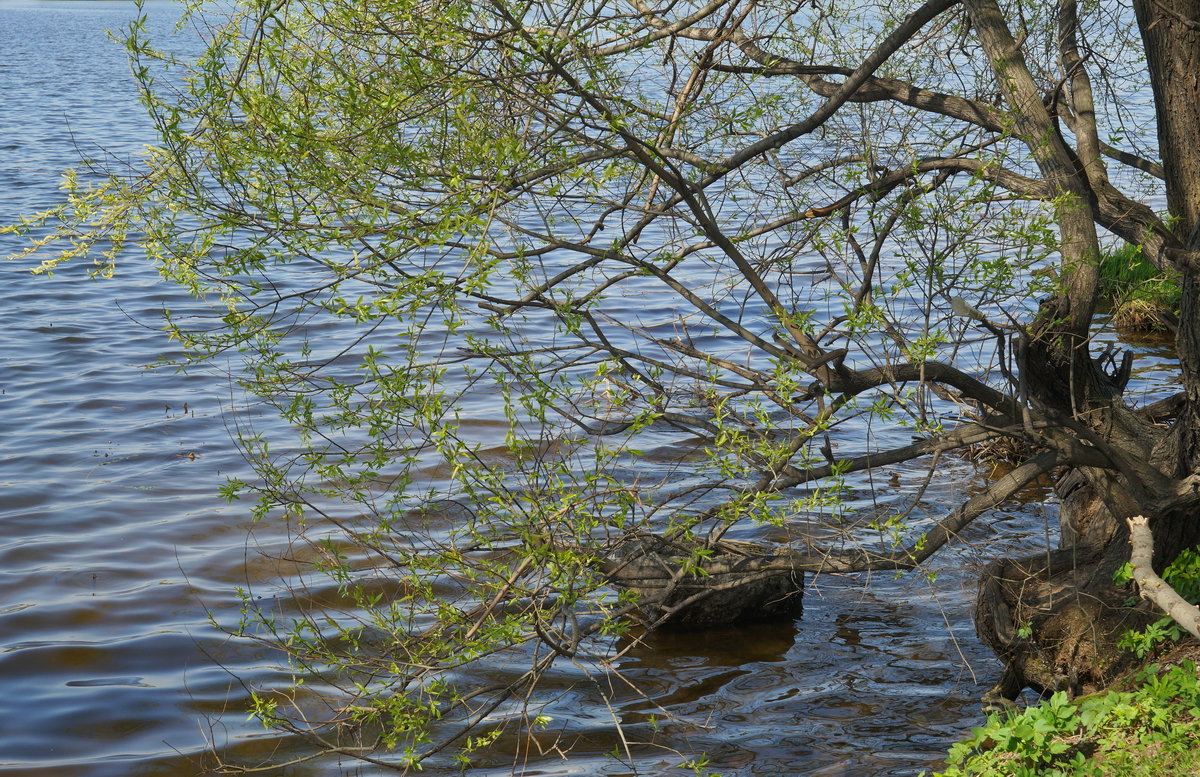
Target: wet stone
(694, 584)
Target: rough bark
(1065, 378)
(1033, 614)
(730, 583)
(1170, 32)
(1055, 618)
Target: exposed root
(1052, 632)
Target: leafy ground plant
(1153, 729)
(1183, 574)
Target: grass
(1143, 298)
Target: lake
(115, 548)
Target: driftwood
(1154, 587)
(697, 584)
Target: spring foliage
(524, 280)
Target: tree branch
(988, 171)
(1153, 587)
(846, 90)
(879, 89)
(933, 540)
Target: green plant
(1125, 267)
(1142, 295)
(1182, 574)
(1153, 729)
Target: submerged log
(693, 584)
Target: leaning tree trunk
(1056, 617)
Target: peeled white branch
(1152, 586)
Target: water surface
(114, 547)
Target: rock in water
(705, 584)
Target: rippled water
(114, 546)
(111, 542)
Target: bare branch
(879, 89)
(1083, 107)
(965, 435)
(990, 171)
(937, 537)
(1152, 586)
(847, 89)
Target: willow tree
(529, 280)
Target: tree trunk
(1171, 37)
(1056, 617)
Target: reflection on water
(114, 547)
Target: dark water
(114, 546)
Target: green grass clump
(1151, 731)
(1143, 297)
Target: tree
(751, 228)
